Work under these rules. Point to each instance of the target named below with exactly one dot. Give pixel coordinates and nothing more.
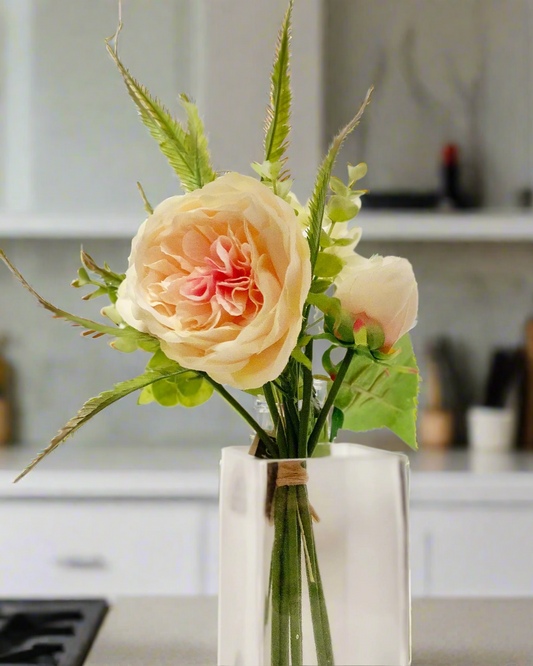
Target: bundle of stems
(299, 426)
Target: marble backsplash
(480, 294)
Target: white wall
(427, 58)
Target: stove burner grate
(48, 633)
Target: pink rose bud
(380, 290)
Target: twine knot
(291, 473)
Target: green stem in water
(264, 436)
(294, 546)
(305, 412)
(319, 616)
(334, 390)
(280, 620)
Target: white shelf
(452, 227)
(86, 226)
(388, 225)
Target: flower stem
(319, 616)
(280, 620)
(294, 546)
(315, 435)
(264, 436)
(281, 438)
(306, 404)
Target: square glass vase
(316, 572)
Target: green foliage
(298, 355)
(147, 205)
(320, 286)
(93, 328)
(277, 125)
(186, 151)
(96, 405)
(107, 285)
(376, 395)
(338, 323)
(317, 205)
(196, 143)
(189, 389)
(328, 265)
(341, 209)
(356, 173)
(337, 422)
(270, 173)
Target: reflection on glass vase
(314, 559)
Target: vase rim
(342, 450)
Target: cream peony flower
(220, 276)
(381, 290)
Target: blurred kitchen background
(449, 143)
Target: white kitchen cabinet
(71, 145)
(466, 550)
(101, 547)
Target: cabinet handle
(90, 563)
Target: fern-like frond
(92, 327)
(317, 204)
(196, 143)
(277, 125)
(95, 405)
(167, 131)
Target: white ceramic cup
(491, 429)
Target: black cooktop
(48, 633)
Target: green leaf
(342, 242)
(196, 142)
(341, 209)
(101, 291)
(147, 205)
(375, 336)
(173, 140)
(320, 286)
(277, 125)
(166, 393)
(93, 328)
(298, 355)
(339, 187)
(329, 305)
(328, 265)
(110, 278)
(337, 421)
(317, 204)
(375, 395)
(111, 312)
(161, 362)
(268, 170)
(83, 279)
(146, 396)
(93, 407)
(193, 390)
(325, 240)
(355, 173)
(125, 345)
(337, 320)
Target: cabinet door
(71, 144)
(68, 549)
(474, 551)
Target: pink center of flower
(226, 277)
(205, 274)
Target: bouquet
(231, 284)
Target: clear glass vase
(316, 572)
